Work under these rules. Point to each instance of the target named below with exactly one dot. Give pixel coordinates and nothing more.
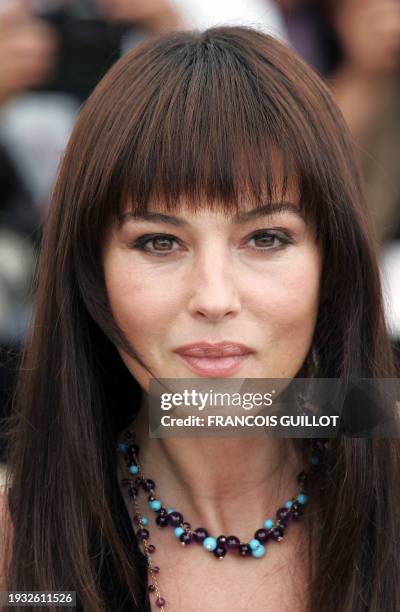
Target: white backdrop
(202, 14)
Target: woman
(208, 195)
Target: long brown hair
(201, 115)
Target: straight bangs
(211, 140)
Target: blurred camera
(88, 44)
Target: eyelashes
(161, 245)
(163, 241)
(267, 236)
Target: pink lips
(219, 359)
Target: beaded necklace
(292, 510)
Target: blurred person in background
(310, 32)
(367, 87)
(355, 45)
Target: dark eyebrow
(152, 216)
(268, 210)
(261, 211)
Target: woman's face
(180, 285)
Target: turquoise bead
(254, 544)
(268, 524)
(302, 499)
(178, 531)
(155, 504)
(210, 543)
(133, 469)
(122, 447)
(259, 551)
(288, 504)
(144, 520)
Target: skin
(157, 15)
(217, 282)
(28, 48)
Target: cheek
(287, 298)
(140, 303)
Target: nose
(214, 294)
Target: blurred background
(54, 52)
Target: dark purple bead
(244, 550)
(143, 534)
(151, 548)
(186, 538)
(220, 552)
(232, 542)
(297, 515)
(283, 515)
(160, 602)
(162, 520)
(186, 525)
(262, 535)
(318, 444)
(200, 534)
(277, 533)
(296, 511)
(151, 498)
(175, 518)
(155, 569)
(133, 450)
(130, 436)
(221, 540)
(148, 484)
(302, 477)
(151, 588)
(162, 511)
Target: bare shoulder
(5, 536)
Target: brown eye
(161, 243)
(264, 241)
(269, 240)
(156, 244)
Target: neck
(221, 484)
